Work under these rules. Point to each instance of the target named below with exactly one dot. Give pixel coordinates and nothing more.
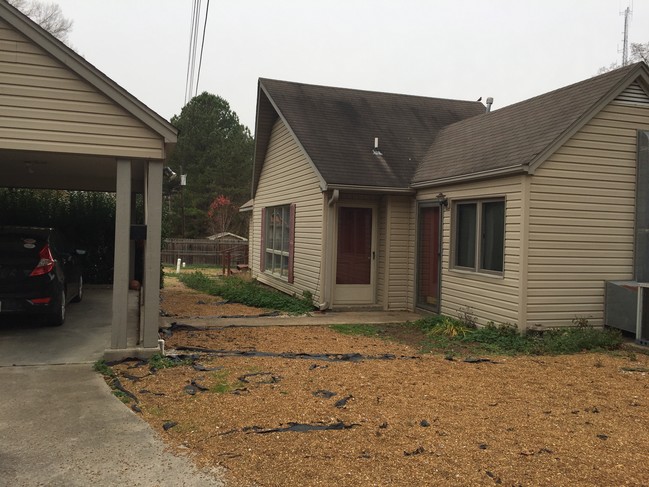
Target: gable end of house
(632, 89)
(267, 115)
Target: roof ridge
(356, 90)
(617, 72)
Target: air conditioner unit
(627, 308)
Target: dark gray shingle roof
(337, 127)
(516, 135)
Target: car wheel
(58, 316)
(79, 296)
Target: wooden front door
(428, 258)
(355, 256)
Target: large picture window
(278, 241)
(479, 239)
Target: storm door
(355, 256)
(428, 258)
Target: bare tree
(639, 52)
(48, 15)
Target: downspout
(328, 261)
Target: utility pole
(183, 183)
(625, 46)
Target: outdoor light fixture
(169, 173)
(442, 200)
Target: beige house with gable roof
(398, 202)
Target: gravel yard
(392, 416)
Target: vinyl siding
(400, 269)
(285, 178)
(582, 216)
(45, 106)
(383, 248)
(489, 297)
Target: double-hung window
(278, 241)
(479, 236)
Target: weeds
(450, 328)
(121, 396)
(362, 330)
(222, 385)
(250, 293)
(449, 335)
(160, 361)
(580, 321)
(101, 367)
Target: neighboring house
(402, 202)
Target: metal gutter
(370, 189)
(503, 171)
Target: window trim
(264, 249)
(476, 269)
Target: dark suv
(40, 273)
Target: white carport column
(153, 221)
(121, 263)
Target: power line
(193, 75)
(200, 59)
(189, 54)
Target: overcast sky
(463, 49)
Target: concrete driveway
(59, 423)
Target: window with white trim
(479, 235)
(278, 241)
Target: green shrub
(429, 322)
(250, 293)
(573, 340)
(449, 327)
(447, 334)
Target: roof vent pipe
(376, 151)
(490, 101)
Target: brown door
(428, 270)
(355, 256)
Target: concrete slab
(61, 426)
(82, 339)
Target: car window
(20, 245)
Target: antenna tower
(625, 49)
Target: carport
(66, 125)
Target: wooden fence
(224, 252)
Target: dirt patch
(179, 301)
(578, 420)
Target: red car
(40, 273)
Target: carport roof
(84, 161)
